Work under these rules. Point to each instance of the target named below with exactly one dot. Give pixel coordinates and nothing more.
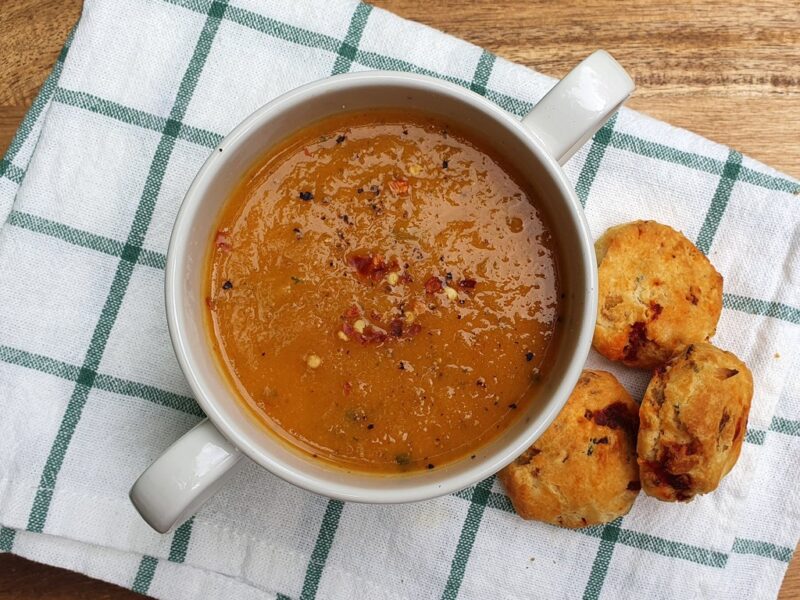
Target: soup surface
(382, 292)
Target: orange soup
(383, 292)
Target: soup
(383, 292)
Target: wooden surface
(727, 70)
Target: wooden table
(725, 69)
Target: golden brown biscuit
(658, 294)
(583, 470)
(693, 420)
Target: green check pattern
(88, 191)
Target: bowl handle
(579, 105)
(187, 474)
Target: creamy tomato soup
(383, 292)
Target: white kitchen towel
(90, 392)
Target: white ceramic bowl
(196, 465)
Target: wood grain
(727, 70)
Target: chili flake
(433, 285)
(399, 187)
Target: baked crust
(693, 421)
(657, 294)
(582, 470)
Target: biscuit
(582, 470)
(657, 294)
(693, 420)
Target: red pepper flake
(413, 330)
(347, 387)
(399, 187)
(433, 285)
(221, 240)
(406, 278)
(372, 335)
(467, 284)
(210, 303)
(372, 267)
(353, 312)
(396, 327)
(306, 152)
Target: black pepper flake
(448, 276)
(263, 353)
(430, 466)
(512, 405)
(306, 196)
(227, 285)
(360, 190)
(405, 131)
(371, 426)
(445, 164)
(346, 219)
(472, 457)
(402, 366)
(340, 139)
(529, 356)
(375, 190)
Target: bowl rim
(178, 249)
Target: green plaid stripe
(478, 501)
(597, 576)
(785, 426)
(482, 73)
(11, 172)
(754, 306)
(590, 167)
(137, 118)
(78, 237)
(177, 554)
(88, 373)
(765, 549)
(145, 574)
(322, 547)
(348, 48)
(107, 383)
(719, 202)
(6, 539)
(755, 436)
(180, 541)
